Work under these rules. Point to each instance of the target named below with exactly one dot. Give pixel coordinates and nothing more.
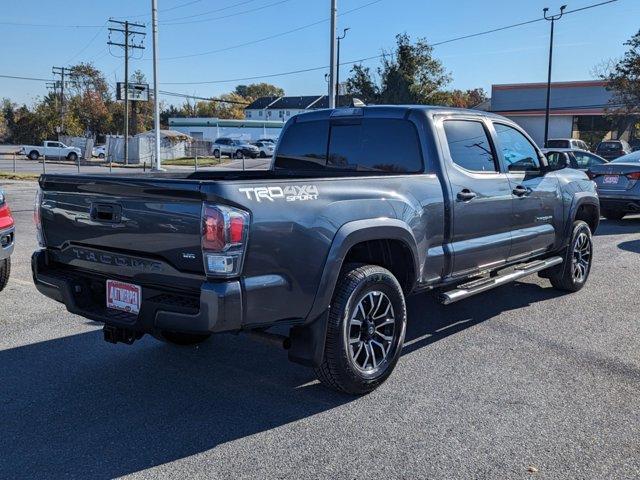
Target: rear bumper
(7, 241)
(620, 202)
(217, 308)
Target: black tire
(361, 285)
(239, 155)
(101, 156)
(33, 155)
(612, 214)
(5, 271)
(565, 276)
(72, 156)
(216, 153)
(178, 338)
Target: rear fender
(307, 341)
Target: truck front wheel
(366, 330)
(5, 270)
(571, 275)
(72, 156)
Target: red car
(7, 232)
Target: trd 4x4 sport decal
(290, 193)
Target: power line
(13, 77)
(88, 43)
(374, 57)
(270, 37)
(195, 97)
(48, 25)
(279, 2)
(239, 4)
(166, 9)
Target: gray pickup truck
(362, 207)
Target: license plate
(122, 296)
(611, 179)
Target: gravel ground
(520, 382)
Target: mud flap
(307, 341)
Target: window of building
(518, 152)
(260, 113)
(469, 145)
(248, 114)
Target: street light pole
(552, 19)
(341, 37)
(332, 54)
(156, 100)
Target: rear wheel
(178, 338)
(366, 330)
(263, 155)
(5, 271)
(101, 156)
(216, 153)
(612, 214)
(571, 275)
(33, 155)
(239, 155)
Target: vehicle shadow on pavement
(430, 321)
(79, 407)
(629, 224)
(630, 246)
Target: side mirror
(557, 160)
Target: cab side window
(469, 145)
(518, 152)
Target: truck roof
(393, 111)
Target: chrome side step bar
(478, 286)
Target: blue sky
(583, 39)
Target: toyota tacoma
(360, 208)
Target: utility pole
(333, 54)
(552, 19)
(340, 38)
(156, 100)
(61, 71)
(127, 45)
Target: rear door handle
(465, 195)
(520, 191)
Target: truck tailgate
(146, 229)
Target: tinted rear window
(382, 145)
(604, 146)
(304, 146)
(557, 144)
(370, 145)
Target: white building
(207, 128)
(283, 108)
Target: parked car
(269, 140)
(266, 148)
(7, 237)
(618, 184)
(51, 149)
(612, 149)
(99, 151)
(234, 148)
(361, 207)
(573, 158)
(572, 143)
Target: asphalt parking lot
(520, 382)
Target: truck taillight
(37, 218)
(224, 239)
(633, 176)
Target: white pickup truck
(51, 149)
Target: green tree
(257, 90)
(624, 78)
(361, 85)
(408, 75)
